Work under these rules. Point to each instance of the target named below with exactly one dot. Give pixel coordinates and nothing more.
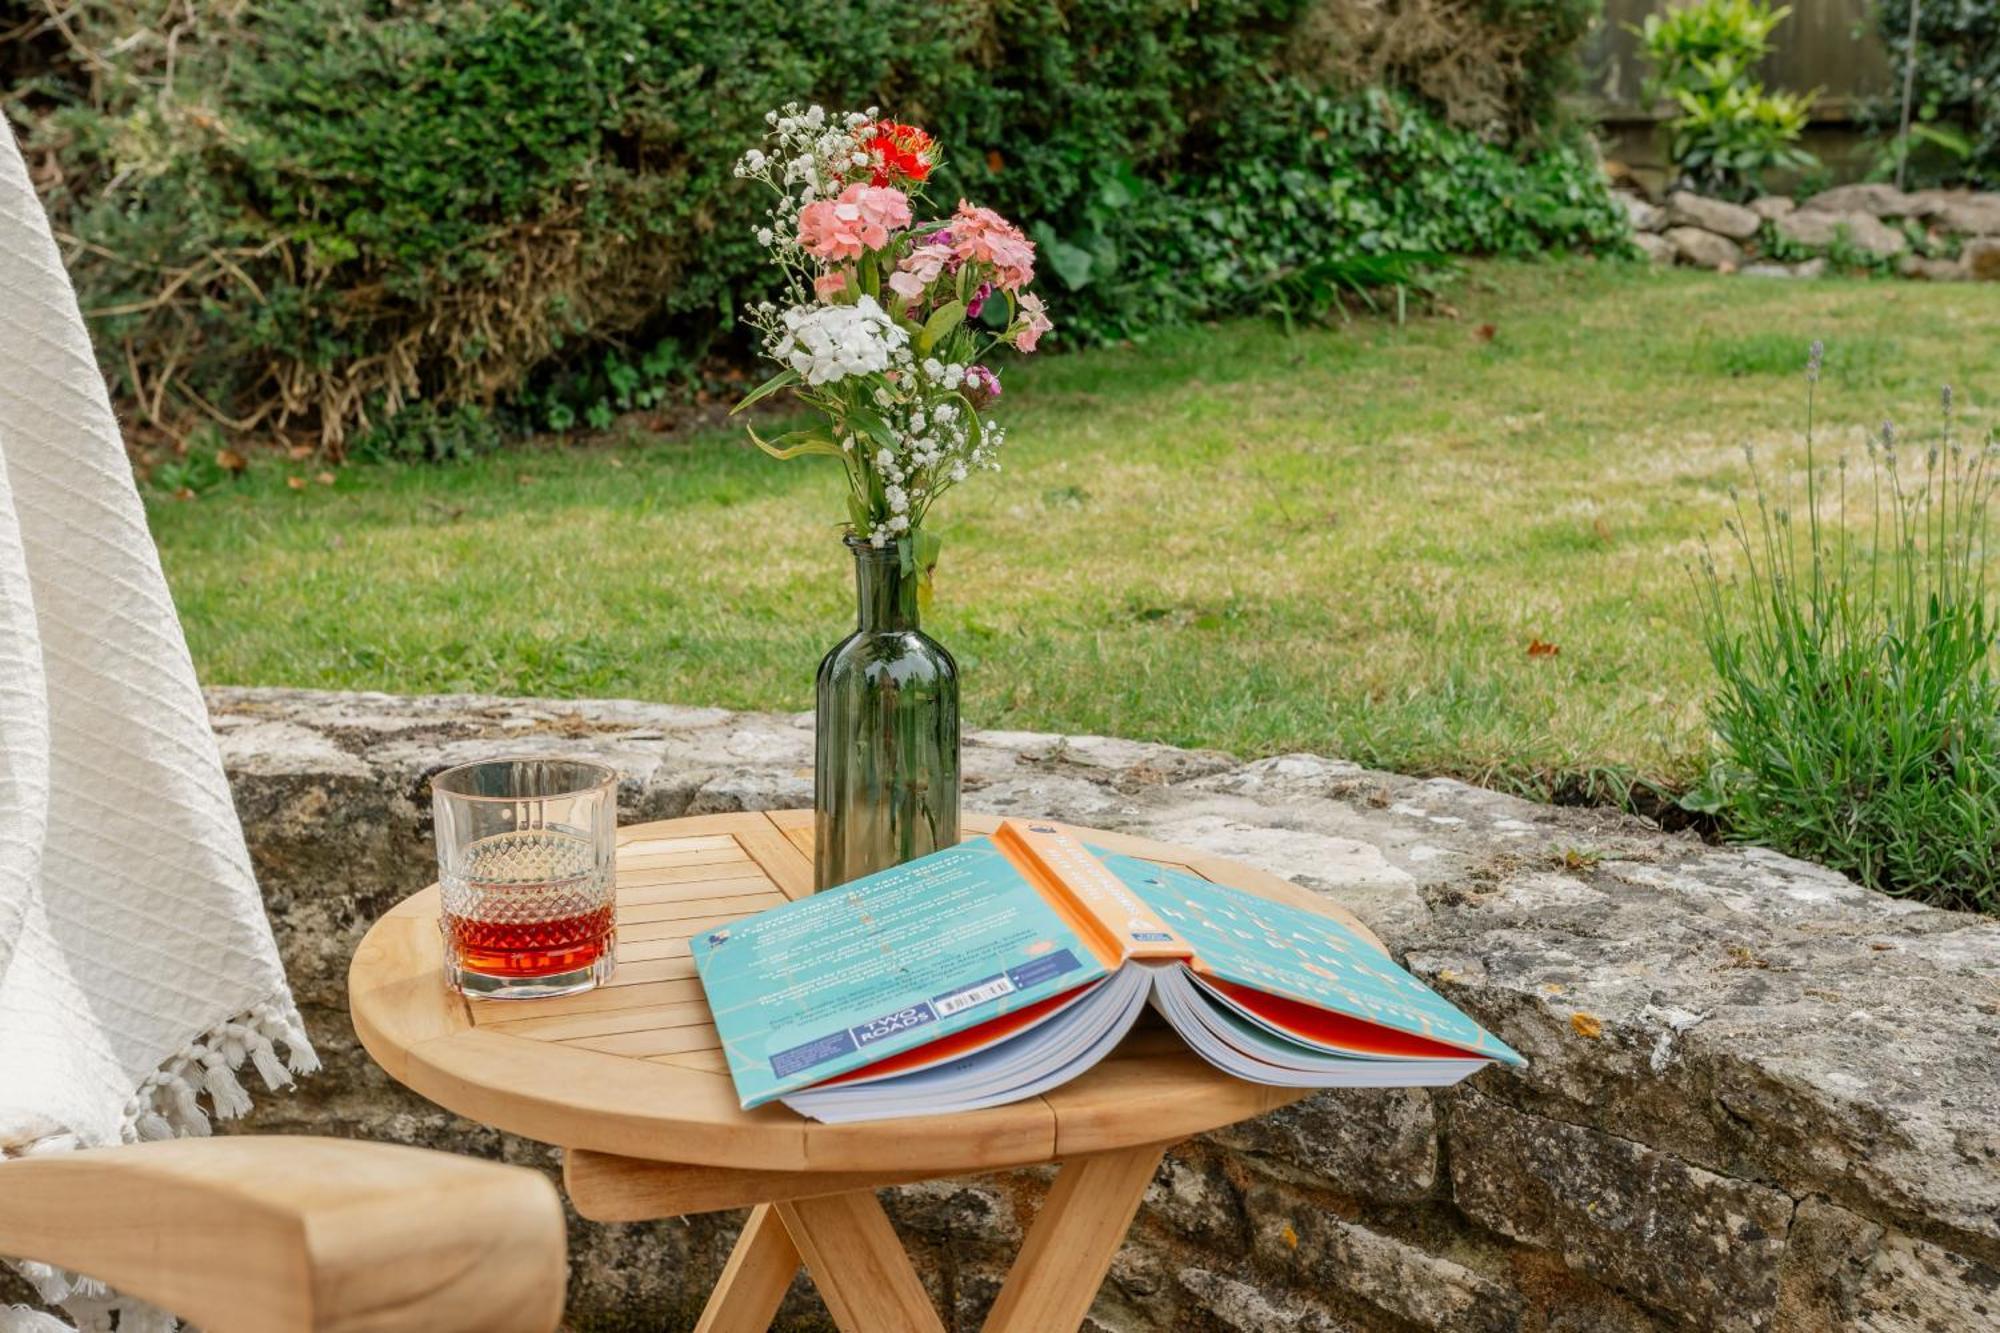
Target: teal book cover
(1300, 955)
(817, 988)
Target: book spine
(1112, 916)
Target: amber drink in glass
(525, 855)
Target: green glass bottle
(885, 776)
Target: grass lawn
(1344, 540)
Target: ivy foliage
(1955, 111)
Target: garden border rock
(1959, 232)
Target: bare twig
(1909, 88)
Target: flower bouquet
(887, 321)
(884, 332)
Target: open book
(995, 970)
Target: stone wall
(1935, 235)
(1759, 1097)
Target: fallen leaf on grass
(184, 493)
(1586, 1025)
(324, 479)
(299, 453)
(1602, 529)
(1484, 333)
(296, 483)
(230, 461)
(1542, 648)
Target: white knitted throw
(137, 971)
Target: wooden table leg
(759, 1272)
(1075, 1236)
(858, 1264)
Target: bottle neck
(878, 589)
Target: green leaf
(867, 421)
(916, 558)
(767, 388)
(794, 444)
(939, 326)
(1072, 263)
(928, 544)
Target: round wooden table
(629, 1079)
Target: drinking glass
(525, 852)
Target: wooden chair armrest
(297, 1235)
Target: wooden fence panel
(1826, 44)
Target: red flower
(896, 152)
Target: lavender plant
(1857, 713)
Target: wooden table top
(634, 1068)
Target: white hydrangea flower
(826, 344)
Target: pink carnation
(829, 285)
(1034, 322)
(919, 269)
(983, 236)
(860, 219)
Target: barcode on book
(978, 993)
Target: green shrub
(300, 216)
(424, 432)
(1955, 129)
(1727, 130)
(1857, 719)
(1306, 180)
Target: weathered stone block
(1377, 1145)
(1674, 1236)
(1981, 259)
(1644, 215)
(1862, 231)
(1932, 270)
(1876, 200)
(1195, 1198)
(1688, 209)
(1704, 249)
(1658, 249)
(1978, 215)
(1233, 1306)
(1771, 207)
(1308, 1247)
(1843, 1271)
